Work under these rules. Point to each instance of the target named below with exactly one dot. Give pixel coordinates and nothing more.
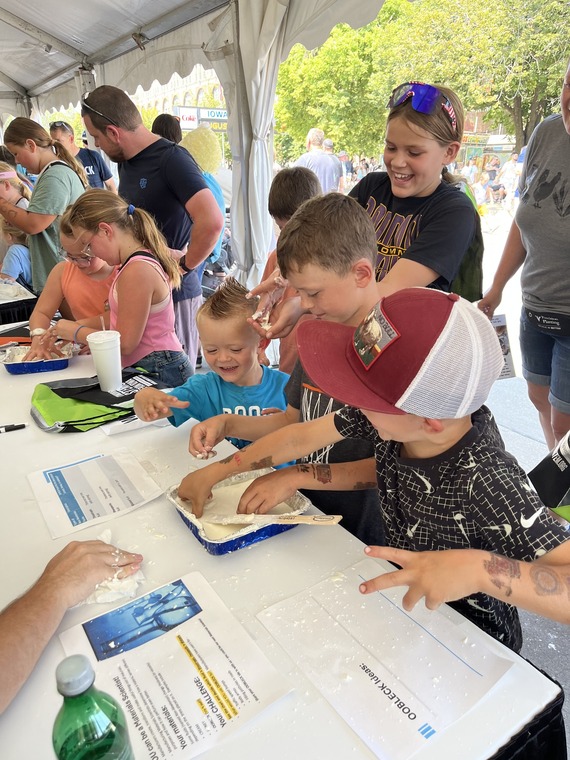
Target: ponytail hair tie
(131, 209)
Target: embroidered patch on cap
(373, 335)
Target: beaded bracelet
(77, 331)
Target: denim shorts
(546, 361)
(170, 367)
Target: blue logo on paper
(143, 182)
(426, 730)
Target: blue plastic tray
(250, 534)
(233, 544)
(43, 365)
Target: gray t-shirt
(543, 217)
(57, 186)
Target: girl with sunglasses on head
(428, 232)
(77, 288)
(61, 179)
(140, 298)
(424, 224)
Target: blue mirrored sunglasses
(424, 99)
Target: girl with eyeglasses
(60, 181)
(424, 224)
(140, 298)
(77, 288)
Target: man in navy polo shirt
(163, 178)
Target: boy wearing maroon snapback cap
(417, 371)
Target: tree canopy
(506, 58)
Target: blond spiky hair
(228, 301)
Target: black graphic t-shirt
(474, 495)
(360, 509)
(435, 231)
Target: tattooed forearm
(262, 463)
(501, 571)
(322, 473)
(361, 485)
(546, 581)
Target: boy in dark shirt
(416, 373)
(334, 275)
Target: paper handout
(91, 491)
(185, 672)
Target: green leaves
(506, 58)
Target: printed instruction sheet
(185, 672)
(91, 491)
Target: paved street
(546, 644)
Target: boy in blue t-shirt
(238, 384)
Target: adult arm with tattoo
(271, 489)
(542, 586)
(284, 445)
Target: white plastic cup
(105, 347)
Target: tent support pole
(245, 140)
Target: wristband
(37, 331)
(77, 331)
(183, 266)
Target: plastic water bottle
(90, 724)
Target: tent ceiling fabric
(49, 56)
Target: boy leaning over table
(416, 373)
(327, 251)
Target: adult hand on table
(151, 404)
(27, 625)
(73, 573)
(267, 491)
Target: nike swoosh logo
(459, 517)
(429, 487)
(505, 526)
(473, 603)
(410, 532)
(528, 522)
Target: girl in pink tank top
(140, 298)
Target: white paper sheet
(90, 491)
(184, 670)
(499, 322)
(416, 675)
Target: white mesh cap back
(457, 375)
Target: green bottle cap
(74, 675)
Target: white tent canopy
(53, 52)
